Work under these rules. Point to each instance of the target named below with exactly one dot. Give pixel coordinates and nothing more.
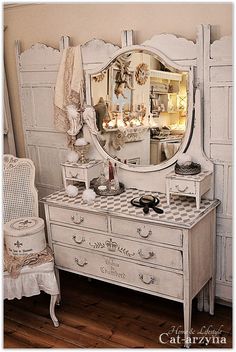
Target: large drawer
(120, 271)
(146, 253)
(80, 218)
(141, 230)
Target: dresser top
(198, 177)
(181, 212)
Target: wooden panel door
(37, 73)
(218, 85)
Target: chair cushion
(31, 281)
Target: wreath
(141, 74)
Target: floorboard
(99, 315)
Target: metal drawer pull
(148, 256)
(81, 262)
(77, 220)
(147, 279)
(81, 240)
(139, 231)
(181, 190)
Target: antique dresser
(170, 255)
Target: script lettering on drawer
(154, 233)
(121, 271)
(80, 218)
(182, 186)
(146, 253)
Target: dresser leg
(52, 310)
(212, 296)
(187, 322)
(200, 301)
(59, 287)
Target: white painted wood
(80, 218)
(9, 141)
(218, 142)
(142, 230)
(37, 71)
(175, 48)
(221, 153)
(96, 51)
(74, 172)
(192, 186)
(127, 38)
(173, 263)
(114, 269)
(221, 48)
(118, 246)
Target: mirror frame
(190, 109)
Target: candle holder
(83, 151)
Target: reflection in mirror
(141, 109)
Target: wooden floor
(96, 314)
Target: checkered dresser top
(181, 211)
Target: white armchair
(20, 200)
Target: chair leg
(52, 310)
(58, 283)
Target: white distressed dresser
(169, 255)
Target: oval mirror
(141, 106)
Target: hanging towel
(69, 88)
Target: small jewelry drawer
(182, 186)
(78, 218)
(74, 172)
(145, 253)
(151, 232)
(121, 271)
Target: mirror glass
(141, 108)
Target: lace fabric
(14, 264)
(69, 87)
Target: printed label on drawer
(121, 247)
(111, 268)
(118, 270)
(153, 233)
(80, 218)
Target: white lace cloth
(31, 281)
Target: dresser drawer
(141, 230)
(146, 253)
(73, 172)
(182, 186)
(80, 218)
(120, 271)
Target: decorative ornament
(99, 77)
(72, 157)
(71, 191)
(88, 196)
(142, 73)
(184, 160)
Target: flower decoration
(141, 73)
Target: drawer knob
(147, 279)
(181, 189)
(144, 235)
(81, 262)
(79, 241)
(149, 255)
(77, 219)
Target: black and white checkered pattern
(181, 211)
